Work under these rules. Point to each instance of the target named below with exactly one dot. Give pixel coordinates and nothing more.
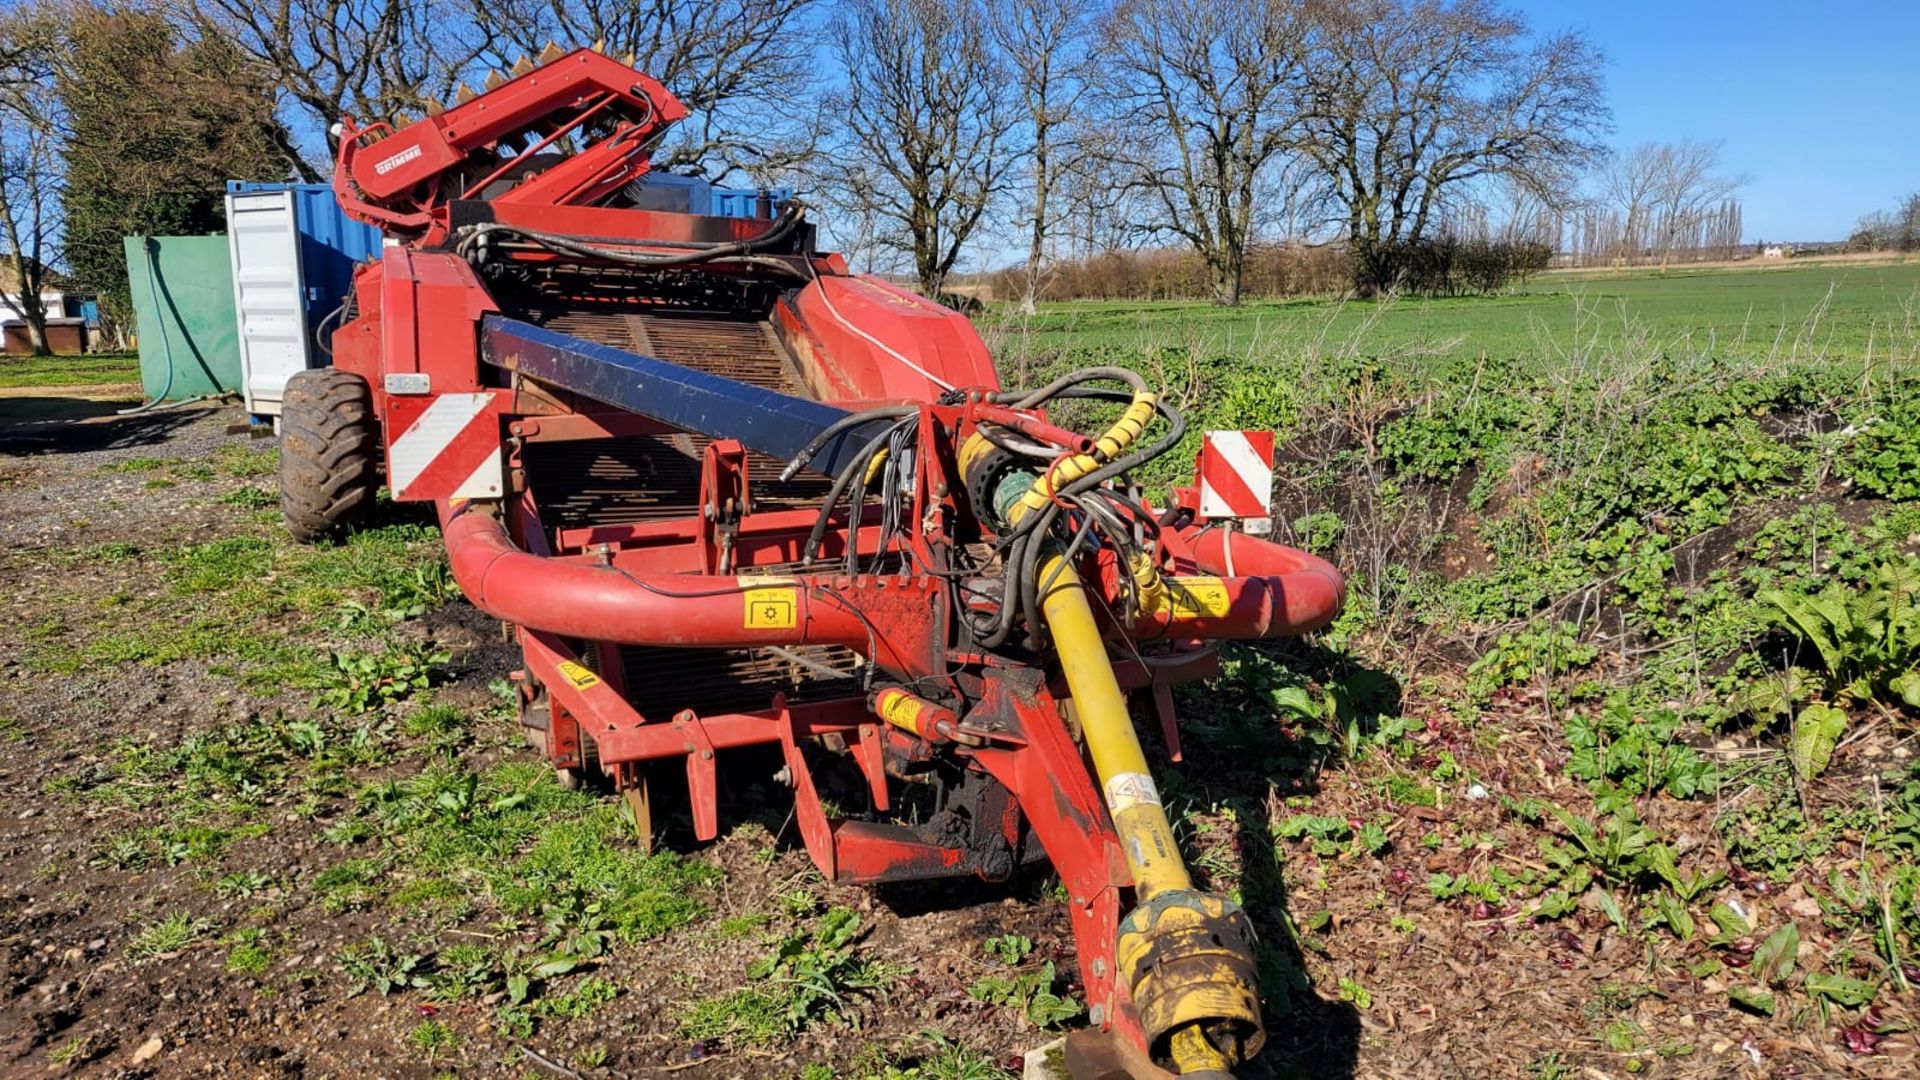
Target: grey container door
(268, 293)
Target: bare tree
(1665, 194)
(1690, 185)
(1202, 94)
(1907, 223)
(30, 159)
(1413, 101)
(1631, 183)
(373, 59)
(1889, 230)
(30, 202)
(1099, 202)
(925, 141)
(743, 68)
(1044, 42)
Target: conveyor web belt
(654, 478)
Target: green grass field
(18, 372)
(1835, 310)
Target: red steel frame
(576, 593)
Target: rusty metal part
(1098, 1055)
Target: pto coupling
(1188, 958)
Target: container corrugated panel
(670, 192)
(745, 202)
(331, 243)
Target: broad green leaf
(1673, 911)
(1660, 860)
(1908, 687)
(1612, 908)
(1706, 967)
(1296, 700)
(1816, 731)
(1752, 999)
(557, 964)
(1805, 616)
(1732, 924)
(1841, 989)
(1554, 904)
(1773, 960)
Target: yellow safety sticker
(580, 677)
(776, 608)
(1198, 597)
(1129, 789)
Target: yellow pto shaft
(1186, 956)
(1101, 709)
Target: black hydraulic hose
(1001, 627)
(1133, 507)
(840, 483)
(1027, 399)
(851, 420)
(1121, 465)
(593, 248)
(856, 501)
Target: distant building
(70, 314)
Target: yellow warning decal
(1198, 597)
(771, 608)
(580, 677)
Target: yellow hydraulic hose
(1107, 447)
(1097, 699)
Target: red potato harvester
(729, 494)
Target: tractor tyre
(329, 453)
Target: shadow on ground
(57, 423)
(1239, 753)
(1244, 753)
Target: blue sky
(1815, 101)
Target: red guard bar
(600, 603)
(1276, 592)
(1303, 592)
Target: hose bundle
(1071, 498)
(473, 242)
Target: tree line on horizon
(938, 134)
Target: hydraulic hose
(1187, 955)
(1101, 707)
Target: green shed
(183, 304)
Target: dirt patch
(124, 921)
(209, 865)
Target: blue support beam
(764, 420)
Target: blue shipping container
(692, 195)
(331, 243)
(747, 202)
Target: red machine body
(658, 577)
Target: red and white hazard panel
(1236, 476)
(448, 447)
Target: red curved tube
(1272, 591)
(603, 604)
